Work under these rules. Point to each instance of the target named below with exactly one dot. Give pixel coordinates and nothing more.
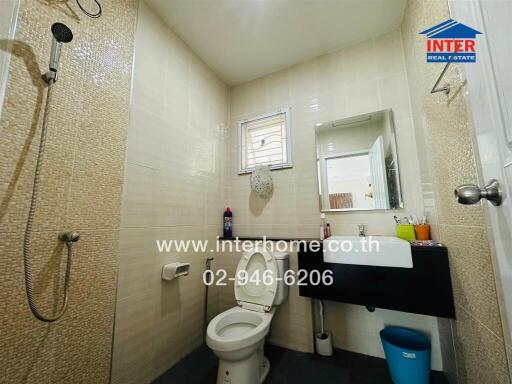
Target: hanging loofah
(261, 181)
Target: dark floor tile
(198, 367)
(291, 367)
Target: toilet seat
(258, 292)
(237, 328)
(237, 336)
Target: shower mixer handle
(51, 75)
(69, 237)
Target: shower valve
(51, 75)
(69, 237)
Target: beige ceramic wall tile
(447, 159)
(317, 91)
(80, 190)
(80, 343)
(355, 80)
(173, 190)
(481, 356)
(355, 329)
(471, 267)
(292, 325)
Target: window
(265, 140)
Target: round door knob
(469, 194)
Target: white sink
(381, 251)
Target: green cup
(405, 232)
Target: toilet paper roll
(323, 342)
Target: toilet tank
(283, 264)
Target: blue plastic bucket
(408, 355)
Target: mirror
(358, 164)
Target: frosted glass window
(265, 140)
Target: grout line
(476, 320)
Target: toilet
(237, 336)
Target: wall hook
(446, 87)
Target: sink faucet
(361, 230)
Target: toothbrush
(397, 220)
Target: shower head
(61, 34)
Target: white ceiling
(244, 39)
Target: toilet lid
(256, 288)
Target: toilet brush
(323, 340)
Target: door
(490, 99)
(378, 174)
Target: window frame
(241, 136)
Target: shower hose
(30, 222)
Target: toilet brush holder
(323, 343)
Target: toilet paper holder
(174, 270)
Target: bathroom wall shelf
(424, 289)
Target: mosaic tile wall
(174, 189)
(81, 190)
(8, 17)
(447, 157)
